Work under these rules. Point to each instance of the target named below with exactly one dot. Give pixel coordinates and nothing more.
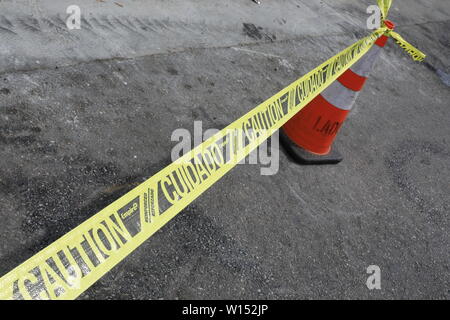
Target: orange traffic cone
(309, 135)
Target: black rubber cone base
(301, 156)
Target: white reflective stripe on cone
(364, 66)
(339, 96)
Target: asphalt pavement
(85, 115)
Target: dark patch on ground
(429, 66)
(256, 33)
(17, 127)
(5, 91)
(252, 31)
(172, 71)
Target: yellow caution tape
(384, 5)
(416, 54)
(71, 264)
